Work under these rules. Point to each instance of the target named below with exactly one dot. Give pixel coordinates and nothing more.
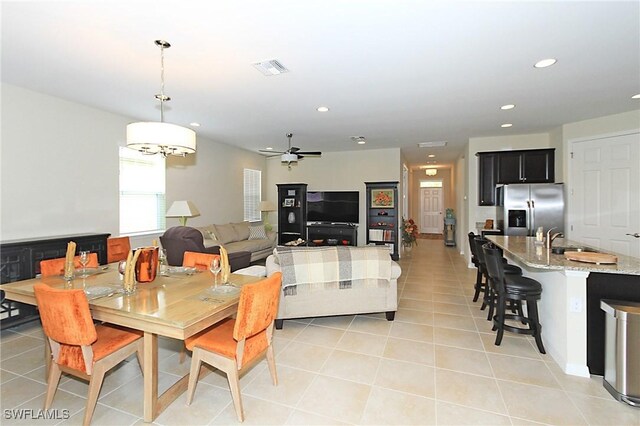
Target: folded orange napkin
(225, 268)
(129, 281)
(68, 259)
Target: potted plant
(409, 233)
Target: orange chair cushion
(117, 249)
(219, 339)
(65, 315)
(56, 266)
(200, 261)
(258, 306)
(110, 339)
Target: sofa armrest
(271, 265)
(396, 270)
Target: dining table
(177, 304)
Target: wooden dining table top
(177, 305)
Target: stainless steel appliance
(522, 208)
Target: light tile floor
(435, 364)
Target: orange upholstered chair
(117, 249)
(233, 344)
(200, 261)
(56, 266)
(79, 347)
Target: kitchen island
(569, 308)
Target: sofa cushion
(257, 231)
(208, 232)
(249, 245)
(226, 233)
(242, 230)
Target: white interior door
(605, 193)
(431, 211)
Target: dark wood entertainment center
(332, 234)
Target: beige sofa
(325, 281)
(241, 236)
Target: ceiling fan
(293, 153)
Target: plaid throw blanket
(318, 268)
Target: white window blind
(252, 194)
(142, 192)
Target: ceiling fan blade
(270, 151)
(318, 153)
(294, 149)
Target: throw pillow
(226, 233)
(257, 232)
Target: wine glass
(215, 268)
(84, 260)
(162, 260)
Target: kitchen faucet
(550, 237)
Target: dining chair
(78, 347)
(200, 261)
(117, 249)
(234, 344)
(56, 266)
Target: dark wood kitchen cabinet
(487, 178)
(528, 166)
(523, 166)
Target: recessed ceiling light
(508, 106)
(272, 67)
(361, 140)
(431, 155)
(268, 148)
(545, 63)
(322, 109)
(636, 96)
(506, 125)
(194, 124)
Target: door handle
(634, 235)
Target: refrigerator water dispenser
(517, 218)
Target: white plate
(98, 291)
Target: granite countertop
(526, 251)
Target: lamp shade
(157, 137)
(267, 206)
(183, 209)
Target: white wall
(337, 171)
(59, 170)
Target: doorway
(431, 210)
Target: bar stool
(489, 293)
(513, 289)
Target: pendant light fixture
(152, 137)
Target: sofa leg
(390, 315)
(279, 324)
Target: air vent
(269, 68)
(432, 144)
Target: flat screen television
(333, 206)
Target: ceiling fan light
(288, 158)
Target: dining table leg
(150, 370)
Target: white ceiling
(398, 73)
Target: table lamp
(266, 207)
(183, 210)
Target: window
(142, 192)
(252, 194)
(430, 184)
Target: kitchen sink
(561, 250)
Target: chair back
(65, 315)
(117, 249)
(258, 307)
(472, 246)
(56, 266)
(200, 261)
(479, 242)
(178, 239)
(494, 265)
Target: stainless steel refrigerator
(522, 208)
